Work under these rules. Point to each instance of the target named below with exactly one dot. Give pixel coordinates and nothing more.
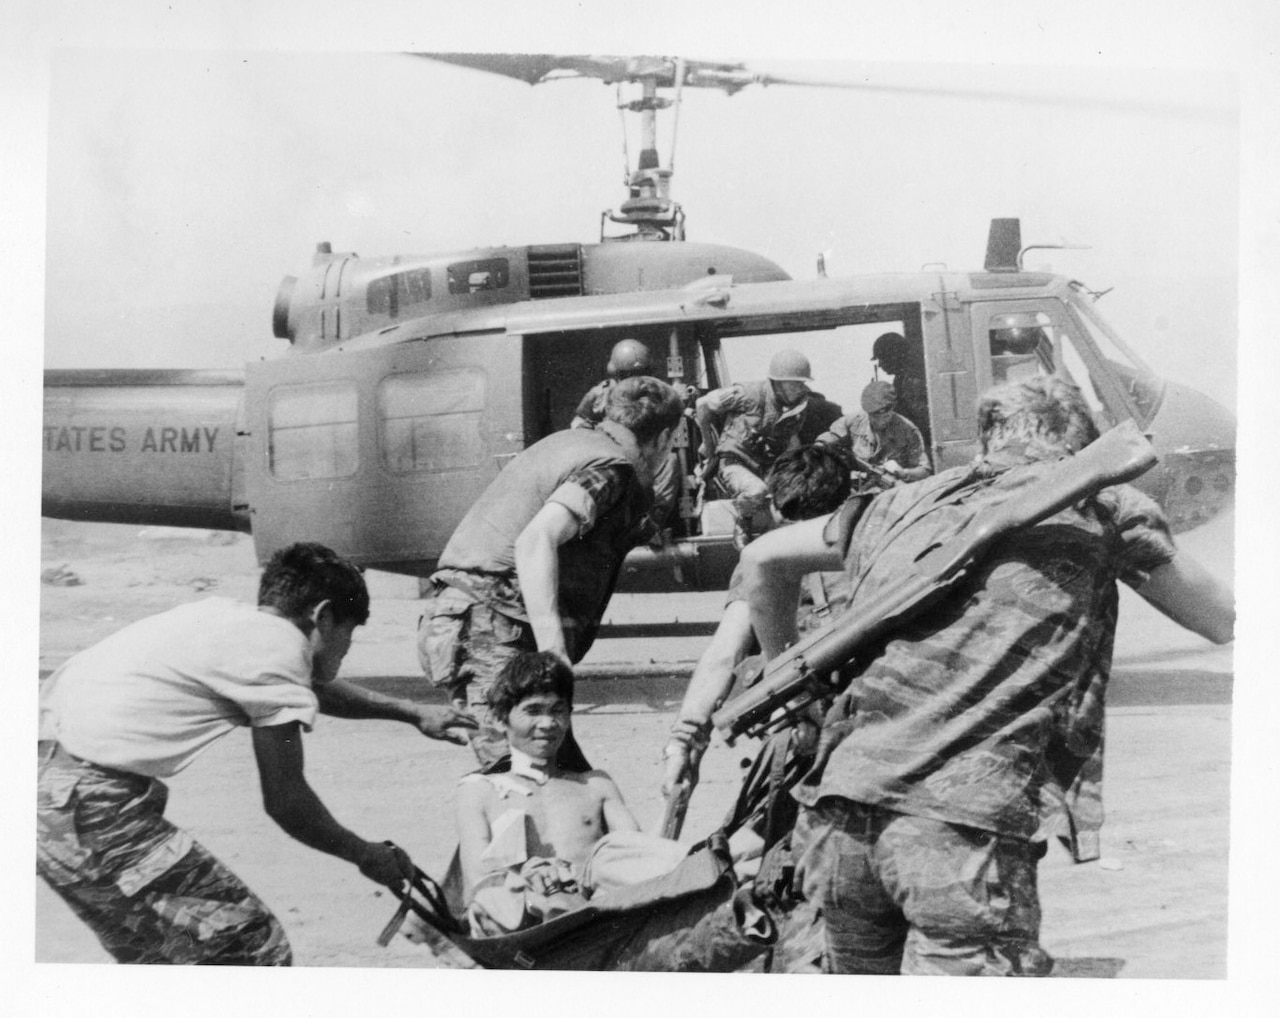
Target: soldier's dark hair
(529, 674)
(644, 405)
(808, 482)
(302, 575)
(1045, 414)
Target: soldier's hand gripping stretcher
(681, 759)
(811, 668)
(718, 669)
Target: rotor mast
(649, 207)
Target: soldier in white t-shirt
(143, 703)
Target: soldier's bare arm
(773, 566)
(538, 568)
(1190, 595)
(343, 699)
(712, 677)
(291, 802)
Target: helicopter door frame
(950, 379)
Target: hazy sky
(183, 185)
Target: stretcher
(697, 918)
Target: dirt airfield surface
(1155, 906)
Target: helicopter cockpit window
(475, 276)
(1021, 346)
(312, 431)
(392, 294)
(432, 422)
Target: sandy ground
(1156, 907)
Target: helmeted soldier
(747, 426)
(878, 442)
(630, 358)
(1019, 346)
(627, 359)
(903, 360)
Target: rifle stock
(801, 672)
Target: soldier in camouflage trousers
(143, 703)
(917, 837)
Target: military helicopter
(410, 380)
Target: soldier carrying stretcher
(916, 836)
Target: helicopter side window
(388, 295)
(432, 422)
(475, 276)
(311, 431)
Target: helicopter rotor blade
(531, 68)
(1099, 104)
(731, 77)
(538, 68)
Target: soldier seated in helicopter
(630, 358)
(903, 359)
(627, 359)
(880, 446)
(746, 426)
(1020, 349)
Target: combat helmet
(629, 358)
(790, 366)
(890, 351)
(1016, 334)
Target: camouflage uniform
(463, 643)
(151, 893)
(476, 620)
(934, 791)
(900, 893)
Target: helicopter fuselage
(343, 295)
(410, 381)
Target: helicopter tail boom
(147, 447)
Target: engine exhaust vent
(555, 270)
